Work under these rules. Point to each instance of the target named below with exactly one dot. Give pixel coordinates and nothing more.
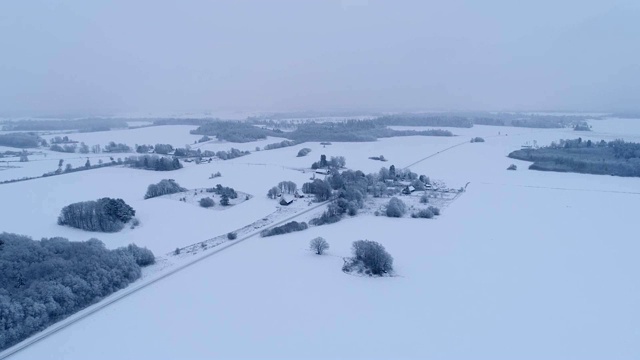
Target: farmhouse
(284, 202)
(408, 190)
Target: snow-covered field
(524, 264)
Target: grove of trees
(164, 187)
(369, 257)
(285, 229)
(104, 215)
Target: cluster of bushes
(427, 213)
(477, 139)
(164, 187)
(153, 162)
(223, 191)
(232, 131)
(112, 147)
(231, 154)
(512, 167)
(144, 149)
(336, 162)
(104, 215)
(205, 138)
(84, 125)
(20, 140)
(45, 281)
(369, 257)
(378, 158)
(582, 126)
(285, 229)
(304, 152)
(282, 144)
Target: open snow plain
(524, 264)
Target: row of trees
(103, 215)
(282, 144)
(153, 162)
(44, 281)
(285, 229)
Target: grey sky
(75, 57)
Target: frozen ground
(525, 264)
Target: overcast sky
(105, 57)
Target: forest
(44, 281)
(616, 157)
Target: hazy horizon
(74, 58)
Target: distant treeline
(233, 131)
(352, 131)
(44, 281)
(57, 125)
(616, 157)
(425, 120)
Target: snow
(176, 135)
(524, 264)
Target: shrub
(434, 210)
(396, 208)
(232, 236)
(512, 167)
(370, 257)
(207, 202)
(424, 199)
(304, 152)
(477, 139)
(224, 200)
(164, 187)
(285, 229)
(424, 213)
(319, 245)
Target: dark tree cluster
(20, 140)
(144, 149)
(103, 215)
(336, 162)
(396, 208)
(287, 187)
(44, 281)
(285, 229)
(223, 191)
(61, 140)
(153, 162)
(477, 139)
(67, 148)
(163, 149)
(112, 147)
(427, 213)
(282, 144)
(369, 257)
(303, 152)
(164, 187)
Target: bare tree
(319, 245)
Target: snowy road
(139, 286)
